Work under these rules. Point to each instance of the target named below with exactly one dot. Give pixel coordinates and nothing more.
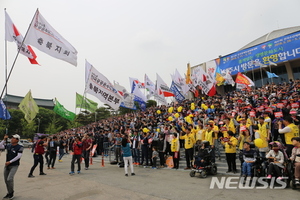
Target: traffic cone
(102, 160)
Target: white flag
(150, 86)
(163, 87)
(45, 38)
(99, 86)
(128, 98)
(135, 89)
(13, 35)
(180, 82)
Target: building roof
(272, 35)
(18, 99)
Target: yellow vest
(293, 133)
(209, 137)
(263, 129)
(243, 139)
(264, 139)
(174, 145)
(231, 148)
(189, 141)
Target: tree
(151, 103)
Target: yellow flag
(188, 74)
(29, 107)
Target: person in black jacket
(203, 156)
(52, 148)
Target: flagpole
(12, 67)
(6, 128)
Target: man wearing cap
(13, 156)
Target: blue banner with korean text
(178, 96)
(281, 49)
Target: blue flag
(178, 96)
(271, 75)
(4, 114)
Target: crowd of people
(236, 121)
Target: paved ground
(109, 182)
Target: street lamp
(39, 120)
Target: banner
(205, 81)
(29, 107)
(178, 96)
(4, 114)
(12, 35)
(85, 103)
(268, 53)
(45, 38)
(63, 112)
(163, 87)
(99, 86)
(128, 98)
(150, 86)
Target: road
(109, 182)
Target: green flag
(61, 111)
(85, 103)
(29, 107)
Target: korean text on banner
(99, 86)
(45, 38)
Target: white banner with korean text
(45, 38)
(99, 86)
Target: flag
(99, 86)
(128, 98)
(45, 38)
(163, 87)
(137, 82)
(178, 96)
(180, 82)
(243, 79)
(13, 35)
(4, 114)
(206, 82)
(219, 78)
(150, 86)
(228, 78)
(85, 103)
(29, 107)
(272, 75)
(63, 112)
(188, 74)
(137, 92)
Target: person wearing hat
(13, 157)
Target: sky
(131, 38)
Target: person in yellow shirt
(264, 128)
(210, 137)
(228, 126)
(290, 130)
(230, 151)
(175, 150)
(189, 141)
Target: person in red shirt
(38, 155)
(77, 151)
(87, 144)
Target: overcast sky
(131, 38)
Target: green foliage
(28, 129)
(53, 127)
(151, 103)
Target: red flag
(13, 35)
